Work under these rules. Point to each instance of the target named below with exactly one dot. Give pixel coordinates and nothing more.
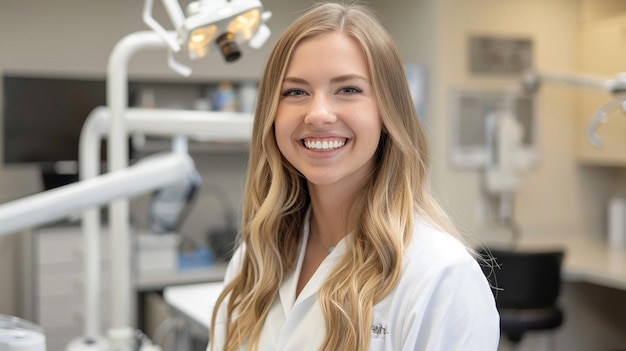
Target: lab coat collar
(287, 291)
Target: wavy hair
(276, 199)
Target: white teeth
(325, 145)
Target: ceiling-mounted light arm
(170, 38)
(177, 17)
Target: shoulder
(431, 248)
(443, 297)
(436, 261)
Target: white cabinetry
(58, 294)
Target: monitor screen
(43, 117)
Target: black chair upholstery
(526, 286)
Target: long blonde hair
(275, 196)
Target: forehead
(326, 53)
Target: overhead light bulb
(211, 25)
(236, 21)
(199, 41)
(245, 24)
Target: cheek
(283, 133)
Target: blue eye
(293, 92)
(350, 90)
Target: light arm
(532, 80)
(150, 174)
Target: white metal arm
(202, 125)
(532, 80)
(152, 173)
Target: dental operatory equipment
(505, 162)
(503, 134)
(17, 334)
(196, 125)
(209, 25)
(170, 205)
(615, 86)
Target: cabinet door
(60, 284)
(602, 52)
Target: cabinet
(602, 52)
(58, 284)
(55, 291)
(237, 96)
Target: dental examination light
(211, 26)
(617, 86)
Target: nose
(320, 111)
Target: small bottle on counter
(225, 98)
(617, 221)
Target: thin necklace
(319, 242)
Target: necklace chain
(319, 242)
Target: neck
(329, 216)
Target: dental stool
(526, 285)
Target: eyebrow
(334, 80)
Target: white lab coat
(442, 303)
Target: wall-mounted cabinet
(225, 96)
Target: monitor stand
(53, 180)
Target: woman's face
(327, 124)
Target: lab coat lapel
(287, 290)
(304, 323)
(329, 263)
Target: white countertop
(195, 301)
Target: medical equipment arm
(616, 86)
(149, 174)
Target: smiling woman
(344, 247)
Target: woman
(342, 245)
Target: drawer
(67, 283)
(65, 245)
(68, 311)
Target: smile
(326, 145)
